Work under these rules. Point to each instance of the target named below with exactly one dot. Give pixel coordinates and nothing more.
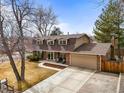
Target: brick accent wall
(98, 63)
(68, 58)
(45, 55)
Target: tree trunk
(22, 54)
(8, 52)
(19, 19)
(119, 52)
(13, 66)
(23, 66)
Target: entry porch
(58, 57)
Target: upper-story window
(50, 42)
(39, 42)
(62, 42)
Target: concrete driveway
(77, 80)
(121, 89)
(101, 83)
(69, 80)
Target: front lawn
(34, 74)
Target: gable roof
(94, 48)
(90, 48)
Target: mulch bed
(54, 66)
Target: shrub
(33, 58)
(36, 56)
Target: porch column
(68, 58)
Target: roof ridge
(63, 36)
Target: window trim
(39, 42)
(50, 41)
(61, 40)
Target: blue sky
(75, 16)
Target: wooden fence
(112, 66)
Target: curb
(118, 85)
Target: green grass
(33, 75)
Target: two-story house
(75, 49)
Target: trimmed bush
(36, 56)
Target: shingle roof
(94, 48)
(62, 36)
(90, 49)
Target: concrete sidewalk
(69, 80)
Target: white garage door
(86, 61)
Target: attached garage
(86, 61)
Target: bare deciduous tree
(21, 9)
(44, 19)
(6, 47)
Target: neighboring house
(28, 42)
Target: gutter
(75, 52)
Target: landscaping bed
(54, 65)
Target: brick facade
(45, 54)
(68, 58)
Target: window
(63, 42)
(39, 42)
(50, 42)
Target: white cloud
(65, 27)
(73, 29)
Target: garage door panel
(86, 61)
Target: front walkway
(69, 80)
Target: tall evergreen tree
(109, 23)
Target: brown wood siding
(45, 55)
(56, 47)
(81, 40)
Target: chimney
(114, 41)
(68, 33)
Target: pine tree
(109, 23)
